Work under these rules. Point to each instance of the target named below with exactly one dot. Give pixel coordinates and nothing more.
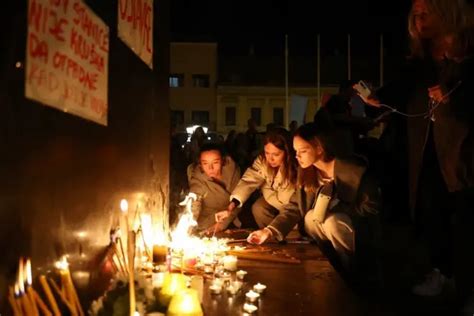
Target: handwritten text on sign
(67, 58)
(135, 27)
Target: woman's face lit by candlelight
(211, 163)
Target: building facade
(236, 104)
(192, 81)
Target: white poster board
(135, 27)
(67, 52)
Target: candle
(172, 283)
(237, 284)
(230, 263)
(159, 254)
(13, 303)
(241, 274)
(66, 281)
(252, 296)
(215, 289)
(42, 306)
(185, 303)
(49, 296)
(131, 271)
(250, 308)
(259, 288)
(29, 288)
(25, 301)
(157, 279)
(232, 290)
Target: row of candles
(25, 300)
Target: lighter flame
(124, 205)
(62, 264)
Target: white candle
(252, 296)
(230, 263)
(259, 288)
(250, 308)
(241, 274)
(215, 289)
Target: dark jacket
(357, 192)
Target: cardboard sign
(135, 27)
(67, 52)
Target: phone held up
(363, 89)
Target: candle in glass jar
(159, 254)
(230, 263)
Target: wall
(61, 177)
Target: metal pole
(349, 57)
(318, 76)
(381, 60)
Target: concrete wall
(62, 177)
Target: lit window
(176, 80)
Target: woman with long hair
(334, 195)
(274, 173)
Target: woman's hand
(222, 215)
(259, 236)
(216, 228)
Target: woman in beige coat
(274, 173)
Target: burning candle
(14, 303)
(29, 288)
(250, 308)
(230, 263)
(25, 301)
(185, 303)
(66, 280)
(241, 274)
(215, 289)
(259, 288)
(172, 283)
(252, 296)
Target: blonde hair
(453, 15)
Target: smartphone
(363, 89)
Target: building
(192, 81)
(265, 104)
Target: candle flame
(180, 235)
(21, 277)
(29, 278)
(17, 289)
(62, 264)
(124, 205)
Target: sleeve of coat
(196, 186)
(284, 222)
(252, 179)
(368, 200)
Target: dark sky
(238, 24)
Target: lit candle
(241, 274)
(250, 308)
(66, 281)
(29, 288)
(49, 295)
(252, 296)
(131, 274)
(259, 288)
(25, 301)
(13, 303)
(230, 263)
(185, 303)
(172, 283)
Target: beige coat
(275, 190)
(213, 196)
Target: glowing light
(29, 279)
(62, 264)
(18, 64)
(124, 205)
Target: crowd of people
(336, 185)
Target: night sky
(238, 25)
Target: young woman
(274, 173)
(212, 179)
(334, 195)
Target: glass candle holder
(252, 296)
(259, 288)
